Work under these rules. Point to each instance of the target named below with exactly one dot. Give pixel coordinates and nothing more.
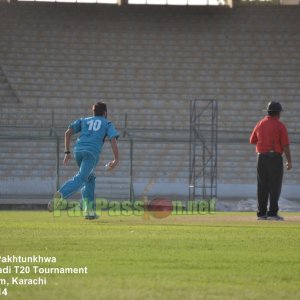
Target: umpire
(271, 139)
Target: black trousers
(269, 182)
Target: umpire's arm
(287, 152)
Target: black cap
(274, 106)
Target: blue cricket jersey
(93, 131)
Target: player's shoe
(276, 218)
(56, 202)
(262, 218)
(91, 215)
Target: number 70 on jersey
(94, 125)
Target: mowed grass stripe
(220, 256)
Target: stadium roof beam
(228, 3)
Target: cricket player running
(93, 131)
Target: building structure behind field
(147, 63)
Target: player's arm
(253, 138)
(286, 146)
(68, 135)
(287, 152)
(115, 150)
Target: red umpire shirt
(269, 134)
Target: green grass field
(220, 256)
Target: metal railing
(132, 135)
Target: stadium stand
(147, 63)
(7, 94)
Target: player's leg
(58, 201)
(88, 195)
(262, 186)
(276, 176)
(87, 163)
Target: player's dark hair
(99, 109)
